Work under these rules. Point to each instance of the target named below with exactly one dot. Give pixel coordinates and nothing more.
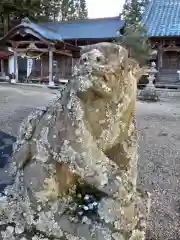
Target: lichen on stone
(85, 139)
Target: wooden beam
(66, 53)
(67, 46)
(18, 43)
(174, 49)
(21, 50)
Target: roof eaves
(31, 26)
(55, 36)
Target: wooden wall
(62, 68)
(168, 70)
(171, 60)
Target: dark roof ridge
(84, 20)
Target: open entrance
(171, 60)
(168, 72)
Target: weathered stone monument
(75, 161)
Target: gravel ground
(15, 104)
(159, 139)
(159, 165)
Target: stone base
(65, 186)
(149, 94)
(51, 84)
(13, 81)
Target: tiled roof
(162, 18)
(43, 31)
(83, 29)
(87, 29)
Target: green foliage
(136, 42)
(13, 11)
(134, 37)
(73, 10)
(67, 10)
(82, 9)
(133, 10)
(18, 9)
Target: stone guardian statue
(75, 161)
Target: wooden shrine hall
(46, 52)
(162, 21)
(39, 54)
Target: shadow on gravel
(6, 149)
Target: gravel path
(15, 104)
(159, 163)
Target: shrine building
(47, 52)
(162, 21)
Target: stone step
(164, 84)
(169, 78)
(169, 74)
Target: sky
(104, 8)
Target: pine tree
(13, 11)
(134, 37)
(67, 10)
(133, 10)
(73, 10)
(50, 10)
(82, 9)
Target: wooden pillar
(51, 68)
(159, 62)
(16, 66)
(2, 67)
(72, 66)
(74, 62)
(42, 66)
(160, 58)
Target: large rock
(75, 161)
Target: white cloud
(104, 8)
